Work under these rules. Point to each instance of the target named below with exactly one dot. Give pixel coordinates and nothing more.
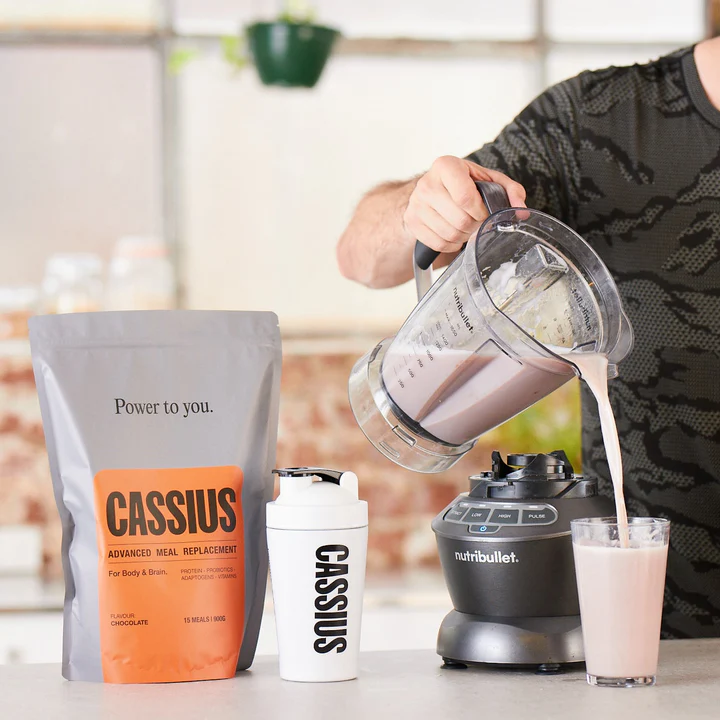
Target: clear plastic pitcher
(494, 334)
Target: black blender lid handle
(495, 199)
(323, 473)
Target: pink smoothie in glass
(621, 598)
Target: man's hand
(441, 208)
(445, 208)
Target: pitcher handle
(495, 199)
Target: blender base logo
(331, 586)
(496, 557)
(463, 315)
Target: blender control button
(483, 529)
(455, 514)
(477, 515)
(539, 517)
(506, 517)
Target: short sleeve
(539, 149)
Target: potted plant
(292, 50)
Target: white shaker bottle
(317, 540)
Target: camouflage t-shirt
(630, 158)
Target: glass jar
(72, 283)
(17, 305)
(141, 276)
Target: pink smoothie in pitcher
(457, 395)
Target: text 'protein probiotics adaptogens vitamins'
(161, 430)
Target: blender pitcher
(494, 334)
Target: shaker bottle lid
(316, 499)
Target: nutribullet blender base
(542, 643)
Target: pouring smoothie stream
(593, 370)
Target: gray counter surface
(403, 684)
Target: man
(630, 158)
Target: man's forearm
(442, 209)
(375, 249)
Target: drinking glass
(621, 597)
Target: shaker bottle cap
(328, 502)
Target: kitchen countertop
(408, 684)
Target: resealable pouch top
(161, 429)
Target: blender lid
(531, 476)
(532, 466)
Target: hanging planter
(290, 54)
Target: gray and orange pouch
(161, 429)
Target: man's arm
(441, 208)
(376, 249)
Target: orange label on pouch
(171, 573)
